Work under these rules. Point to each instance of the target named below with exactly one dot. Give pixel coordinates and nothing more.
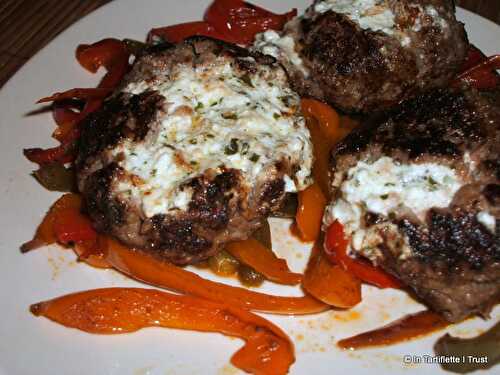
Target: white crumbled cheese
(213, 119)
(290, 186)
(369, 14)
(385, 187)
(436, 18)
(376, 15)
(279, 46)
(487, 220)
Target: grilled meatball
(418, 193)
(367, 55)
(201, 141)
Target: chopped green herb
(276, 116)
(209, 135)
(198, 106)
(286, 100)
(153, 172)
(244, 148)
(254, 158)
(133, 153)
(246, 79)
(229, 116)
(213, 104)
(384, 196)
(232, 147)
(193, 141)
(390, 184)
(432, 183)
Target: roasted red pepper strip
(336, 245)
(109, 53)
(64, 114)
(267, 349)
(483, 76)
(40, 156)
(404, 329)
(82, 93)
(238, 21)
(177, 33)
(474, 57)
(104, 53)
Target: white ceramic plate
(30, 345)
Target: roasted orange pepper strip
(309, 215)
(252, 253)
(404, 329)
(165, 275)
(90, 252)
(145, 268)
(327, 118)
(329, 282)
(323, 124)
(267, 350)
(45, 234)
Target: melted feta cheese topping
(369, 14)
(376, 15)
(386, 187)
(280, 47)
(213, 119)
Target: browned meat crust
(221, 209)
(454, 266)
(360, 70)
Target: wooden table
(26, 26)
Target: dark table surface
(26, 26)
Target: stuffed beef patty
(201, 141)
(367, 55)
(418, 193)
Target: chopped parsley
(432, 183)
(230, 116)
(246, 79)
(232, 147)
(254, 158)
(244, 148)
